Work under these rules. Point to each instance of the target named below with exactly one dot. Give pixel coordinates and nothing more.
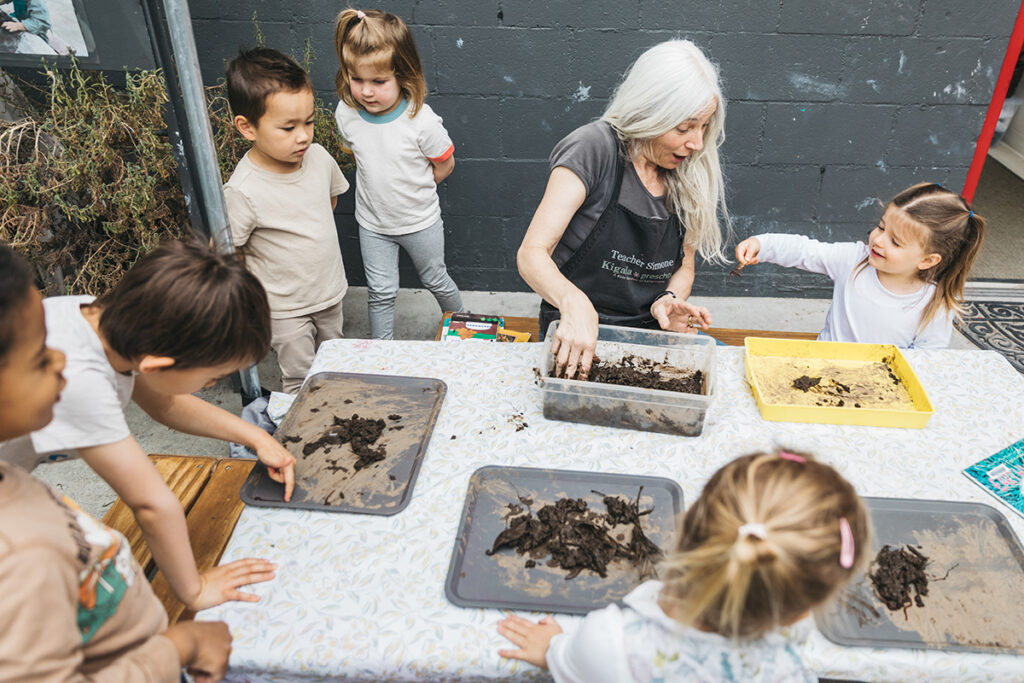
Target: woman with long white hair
(631, 198)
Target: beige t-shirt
(76, 606)
(284, 223)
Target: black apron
(623, 264)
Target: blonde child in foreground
(182, 317)
(771, 537)
(76, 605)
(903, 287)
(402, 152)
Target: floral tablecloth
(361, 597)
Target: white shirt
(862, 310)
(91, 407)
(395, 189)
(640, 643)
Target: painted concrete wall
(833, 105)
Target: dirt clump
(360, 432)
(643, 373)
(577, 537)
(895, 572)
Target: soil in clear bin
(644, 373)
(577, 537)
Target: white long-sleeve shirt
(640, 643)
(862, 310)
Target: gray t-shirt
(592, 152)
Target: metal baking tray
(502, 580)
(977, 607)
(321, 479)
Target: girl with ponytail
(906, 285)
(772, 536)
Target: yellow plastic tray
(872, 417)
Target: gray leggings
(380, 259)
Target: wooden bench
(728, 336)
(208, 491)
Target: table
(361, 597)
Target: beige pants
(297, 339)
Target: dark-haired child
(76, 605)
(280, 202)
(182, 317)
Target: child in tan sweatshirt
(76, 606)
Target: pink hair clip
(361, 14)
(786, 455)
(846, 546)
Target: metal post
(200, 137)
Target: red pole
(995, 107)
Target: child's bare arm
(128, 470)
(193, 415)
(334, 202)
(443, 169)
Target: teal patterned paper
(1001, 475)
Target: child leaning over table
(76, 605)
(280, 202)
(182, 317)
(906, 285)
(772, 536)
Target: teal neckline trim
(384, 118)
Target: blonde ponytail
(762, 545)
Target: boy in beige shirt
(280, 203)
(76, 605)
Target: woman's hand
(679, 315)
(575, 338)
(747, 251)
(531, 639)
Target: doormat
(996, 326)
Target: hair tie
(786, 455)
(752, 529)
(971, 214)
(360, 14)
(846, 547)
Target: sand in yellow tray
(835, 383)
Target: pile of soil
(896, 571)
(360, 432)
(634, 371)
(832, 392)
(577, 537)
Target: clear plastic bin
(649, 410)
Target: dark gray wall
(832, 104)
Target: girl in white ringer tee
(402, 152)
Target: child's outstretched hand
(747, 251)
(531, 639)
(280, 463)
(221, 584)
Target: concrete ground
(416, 318)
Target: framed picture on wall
(47, 29)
